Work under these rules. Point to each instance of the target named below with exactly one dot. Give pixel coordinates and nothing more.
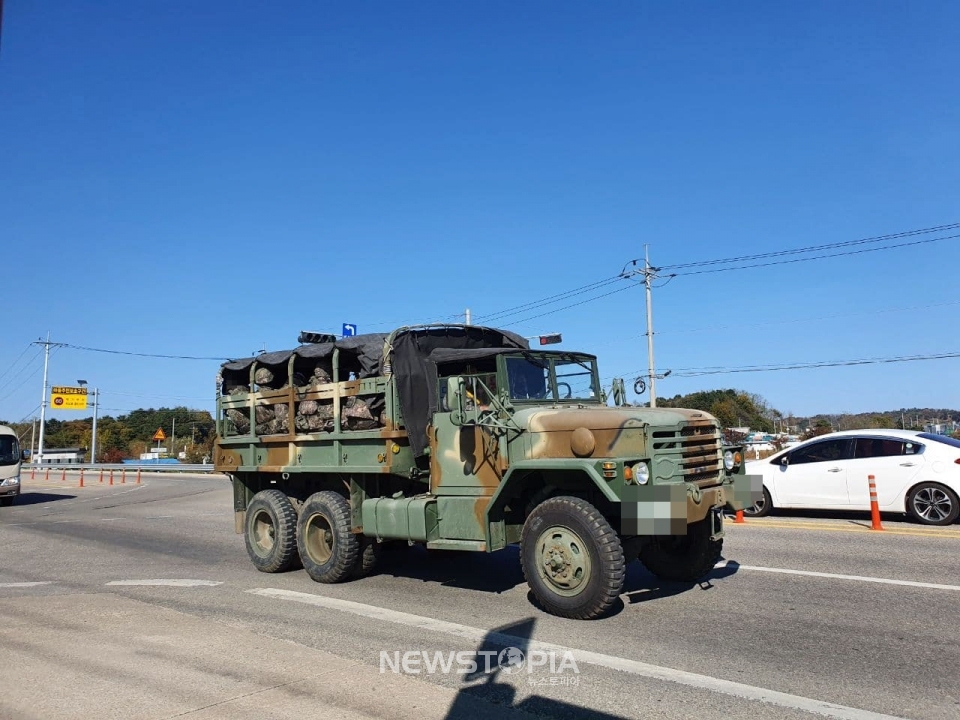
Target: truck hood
(570, 417)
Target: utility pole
(647, 276)
(43, 400)
(173, 438)
(33, 437)
(93, 440)
(466, 316)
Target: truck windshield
(574, 379)
(530, 378)
(9, 450)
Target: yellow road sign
(159, 434)
(68, 398)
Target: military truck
(461, 437)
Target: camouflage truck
(464, 438)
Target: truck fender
(515, 482)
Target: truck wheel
(328, 550)
(369, 558)
(572, 558)
(270, 533)
(682, 558)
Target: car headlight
(731, 460)
(11, 481)
(641, 473)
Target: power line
(14, 363)
(549, 300)
(720, 370)
(817, 248)
(815, 257)
(544, 302)
(19, 372)
(140, 354)
(567, 307)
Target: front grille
(696, 448)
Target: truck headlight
(11, 481)
(641, 473)
(731, 460)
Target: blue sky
(209, 178)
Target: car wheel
(933, 504)
(761, 508)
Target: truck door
(465, 470)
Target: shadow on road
(38, 498)
(505, 652)
(499, 572)
(495, 573)
(643, 586)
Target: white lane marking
(25, 584)
(835, 576)
(169, 583)
(681, 677)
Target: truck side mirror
(455, 389)
(619, 393)
(24, 454)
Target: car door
(893, 463)
(814, 475)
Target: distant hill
(739, 408)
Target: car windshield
(945, 439)
(9, 450)
(552, 378)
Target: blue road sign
(349, 330)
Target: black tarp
(416, 373)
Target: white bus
(10, 457)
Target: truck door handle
(834, 470)
(907, 464)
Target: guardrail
(97, 467)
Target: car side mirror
(455, 391)
(785, 460)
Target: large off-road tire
(370, 556)
(761, 508)
(328, 549)
(271, 531)
(682, 558)
(933, 504)
(572, 558)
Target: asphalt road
(138, 601)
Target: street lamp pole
(93, 432)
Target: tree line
(127, 436)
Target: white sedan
(915, 472)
